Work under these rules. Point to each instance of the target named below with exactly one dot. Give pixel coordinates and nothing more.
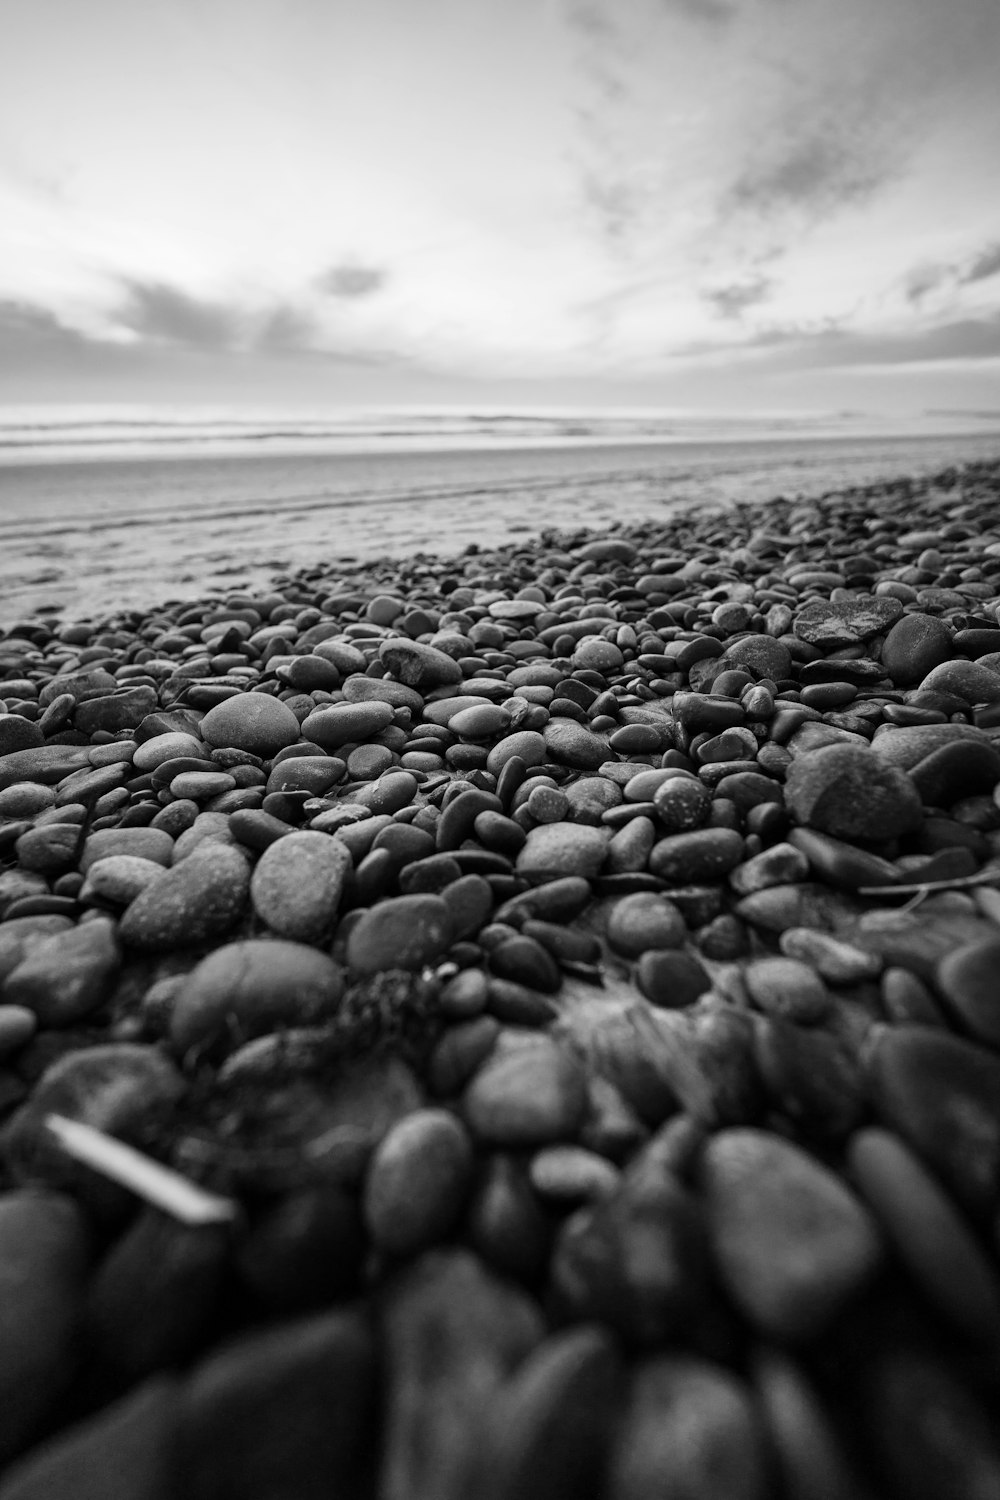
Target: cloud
(352, 279)
(817, 173)
(164, 314)
(923, 280)
(734, 300)
(713, 12)
(23, 327)
(983, 265)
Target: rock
(789, 988)
(47, 764)
(404, 932)
(163, 747)
(690, 858)
(282, 1411)
(526, 1094)
(50, 850)
(762, 655)
(125, 709)
(248, 988)
(526, 744)
(834, 961)
(927, 1234)
(570, 744)
(68, 975)
(254, 722)
(45, 1248)
(812, 1075)
(642, 921)
(832, 624)
(118, 1087)
(452, 1334)
(346, 723)
(551, 1421)
(682, 804)
(782, 864)
(810, 1459)
(305, 1250)
(138, 843)
(791, 1243)
(298, 883)
(595, 654)
(418, 1181)
(195, 902)
(119, 878)
(20, 936)
(968, 680)
(942, 1095)
(634, 1261)
(916, 644)
(672, 979)
(417, 665)
(563, 849)
(123, 1452)
(945, 761)
(690, 1429)
(571, 1175)
(967, 981)
(17, 734)
(849, 792)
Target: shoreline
(564, 969)
(74, 537)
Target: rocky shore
(516, 1025)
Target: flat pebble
(787, 987)
(563, 849)
(643, 921)
(251, 987)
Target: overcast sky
(767, 204)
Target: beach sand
(550, 993)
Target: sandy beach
(538, 985)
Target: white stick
(157, 1184)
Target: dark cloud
(352, 280)
(983, 265)
(816, 173)
(23, 327)
(163, 314)
(734, 300)
(286, 330)
(832, 345)
(714, 12)
(923, 280)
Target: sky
(717, 205)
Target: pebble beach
(521, 1024)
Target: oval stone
(791, 1242)
(255, 986)
(255, 722)
(527, 1094)
(200, 899)
(404, 932)
(298, 883)
(418, 1182)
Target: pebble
(847, 791)
(197, 901)
(297, 885)
(967, 982)
(914, 646)
(671, 978)
(403, 932)
(835, 961)
(68, 975)
(526, 1095)
(254, 722)
(789, 988)
(690, 1428)
(942, 1095)
(45, 1250)
(251, 987)
(643, 921)
(118, 878)
(927, 1233)
(689, 858)
(563, 849)
(418, 1182)
(792, 1244)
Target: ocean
(98, 516)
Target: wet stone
(789, 988)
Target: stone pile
(576, 965)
